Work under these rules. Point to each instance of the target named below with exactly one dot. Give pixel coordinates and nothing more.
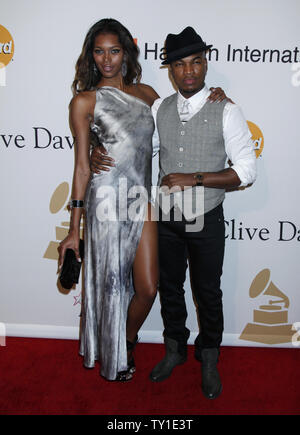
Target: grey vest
(197, 146)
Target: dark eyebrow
(114, 46)
(197, 57)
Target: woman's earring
(95, 69)
(124, 69)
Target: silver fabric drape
(114, 213)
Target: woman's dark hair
(87, 76)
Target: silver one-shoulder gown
(115, 206)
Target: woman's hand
(218, 95)
(70, 242)
(100, 160)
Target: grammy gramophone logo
(59, 205)
(270, 320)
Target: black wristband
(76, 203)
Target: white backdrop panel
(263, 225)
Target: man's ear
(205, 62)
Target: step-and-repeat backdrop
(255, 59)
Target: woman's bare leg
(145, 277)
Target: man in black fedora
(195, 138)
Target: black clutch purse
(70, 270)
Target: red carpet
(40, 376)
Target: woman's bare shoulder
(147, 89)
(83, 98)
(83, 102)
(147, 93)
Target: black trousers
(204, 251)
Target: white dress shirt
(239, 146)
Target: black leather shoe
(172, 358)
(211, 382)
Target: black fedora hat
(184, 44)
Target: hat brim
(184, 52)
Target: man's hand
(176, 182)
(100, 160)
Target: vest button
(182, 133)
(181, 149)
(180, 164)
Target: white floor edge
(72, 333)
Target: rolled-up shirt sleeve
(155, 137)
(238, 144)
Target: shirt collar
(196, 99)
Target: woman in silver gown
(120, 265)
